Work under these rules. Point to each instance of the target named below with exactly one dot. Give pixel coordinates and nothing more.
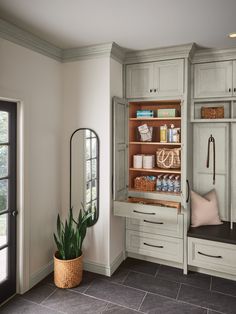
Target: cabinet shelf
(223, 120)
(156, 119)
(154, 143)
(173, 194)
(157, 170)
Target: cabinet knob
(234, 89)
(155, 90)
(150, 90)
(229, 90)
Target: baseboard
(116, 263)
(41, 274)
(104, 269)
(155, 260)
(212, 272)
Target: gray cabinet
(215, 79)
(156, 79)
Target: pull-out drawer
(157, 246)
(157, 226)
(158, 210)
(212, 255)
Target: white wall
(35, 80)
(86, 90)
(117, 236)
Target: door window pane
(94, 147)
(94, 189)
(3, 161)
(88, 151)
(88, 170)
(88, 192)
(3, 195)
(3, 229)
(4, 116)
(94, 168)
(3, 263)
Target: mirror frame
(98, 163)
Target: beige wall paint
(35, 81)
(86, 90)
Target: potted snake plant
(68, 259)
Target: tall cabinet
(156, 221)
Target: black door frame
(8, 287)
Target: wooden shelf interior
(150, 148)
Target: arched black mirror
(84, 172)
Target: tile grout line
(211, 284)
(49, 295)
(142, 301)
(123, 281)
(84, 292)
(157, 272)
(180, 285)
(40, 304)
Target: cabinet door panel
(203, 176)
(139, 80)
(234, 78)
(120, 150)
(213, 79)
(233, 170)
(168, 78)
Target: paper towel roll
(138, 161)
(148, 161)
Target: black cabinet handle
(138, 212)
(214, 256)
(150, 90)
(154, 222)
(188, 194)
(234, 89)
(229, 90)
(157, 246)
(155, 90)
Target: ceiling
(132, 24)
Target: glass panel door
(7, 199)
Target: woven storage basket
(68, 273)
(212, 112)
(144, 184)
(168, 158)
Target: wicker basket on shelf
(144, 184)
(212, 112)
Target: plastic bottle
(171, 133)
(165, 183)
(171, 183)
(177, 184)
(159, 182)
(163, 133)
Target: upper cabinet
(215, 79)
(155, 80)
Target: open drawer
(141, 208)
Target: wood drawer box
(153, 245)
(212, 255)
(141, 211)
(157, 226)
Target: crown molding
(165, 53)
(23, 38)
(211, 55)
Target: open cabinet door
(120, 149)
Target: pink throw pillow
(204, 209)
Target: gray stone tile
(213, 312)
(193, 279)
(206, 298)
(224, 285)
(119, 275)
(140, 266)
(117, 309)
(74, 302)
(39, 293)
(49, 279)
(152, 284)
(156, 304)
(116, 293)
(88, 277)
(20, 306)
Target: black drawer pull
(234, 89)
(214, 256)
(229, 90)
(150, 90)
(157, 246)
(138, 212)
(154, 222)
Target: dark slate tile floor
(136, 287)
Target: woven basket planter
(68, 273)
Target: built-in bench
(213, 249)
